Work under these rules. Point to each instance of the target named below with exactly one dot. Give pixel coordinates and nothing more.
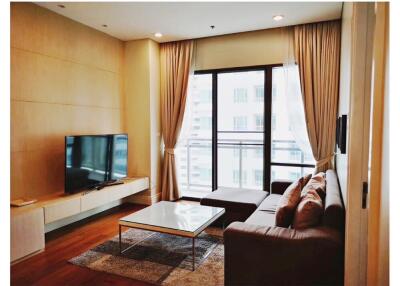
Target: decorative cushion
(306, 179)
(316, 183)
(287, 204)
(309, 211)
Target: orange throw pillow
(309, 211)
(316, 183)
(306, 179)
(287, 204)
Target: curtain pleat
(317, 52)
(175, 64)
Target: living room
(199, 143)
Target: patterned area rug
(160, 259)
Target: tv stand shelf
(55, 207)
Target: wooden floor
(51, 267)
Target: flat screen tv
(92, 161)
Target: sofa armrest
(279, 187)
(259, 255)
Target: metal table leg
(193, 252)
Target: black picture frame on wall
(341, 133)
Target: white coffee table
(185, 220)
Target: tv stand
(30, 223)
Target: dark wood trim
(238, 69)
(267, 126)
(214, 145)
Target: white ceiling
(186, 20)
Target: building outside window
(273, 122)
(236, 153)
(294, 176)
(273, 155)
(259, 122)
(205, 123)
(274, 92)
(244, 177)
(258, 153)
(258, 177)
(205, 96)
(294, 155)
(259, 93)
(236, 177)
(239, 123)
(240, 95)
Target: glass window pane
(228, 167)
(289, 173)
(240, 130)
(235, 110)
(289, 142)
(193, 152)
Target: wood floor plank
(51, 267)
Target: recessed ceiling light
(104, 25)
(61, 5)
(278, 17)
(157, 35)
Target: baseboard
(145, 199)
(26, 257)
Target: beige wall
(242, 49)
(142, 91)
(66, 78)
(344, 89)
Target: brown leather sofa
(259, 253)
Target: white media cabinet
(29, 223)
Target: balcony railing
(195, 162)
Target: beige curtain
(317, 52)
(175, 64)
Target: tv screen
(93, 160)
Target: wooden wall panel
(66, 79)
(77, 84)
(39, 30)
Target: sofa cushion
(270, 203)
(306, 179)
(235, 200)
(309, 211)
(262, 218)
(287, 204)
(317, 183)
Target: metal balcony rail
(187, 146)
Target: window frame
(267, 132)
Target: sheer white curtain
(293, 97)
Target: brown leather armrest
(279, 187)
(257, 255)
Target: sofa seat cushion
(262, 218)
(270, 203)
(235, 200)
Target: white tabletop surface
(184, 217)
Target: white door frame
(358, 150)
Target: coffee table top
(174, 218)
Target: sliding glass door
(241, 131)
